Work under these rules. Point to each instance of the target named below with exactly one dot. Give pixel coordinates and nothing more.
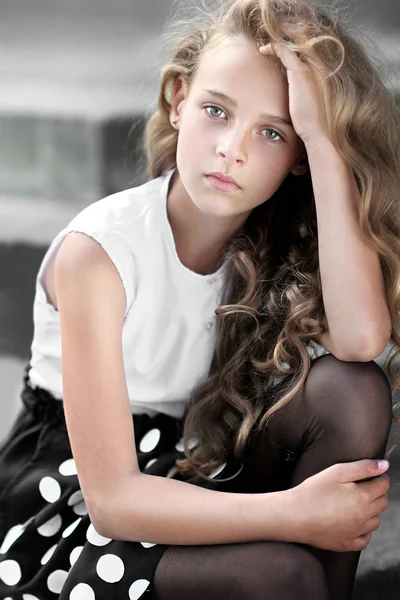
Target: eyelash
(274, 141)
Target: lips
(222, 185)
(223, 177)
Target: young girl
(272, 204)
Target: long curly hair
(272, 313)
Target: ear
(302, 166)
(179, 93)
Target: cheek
(269, 172)
(191, 134)
(270, 162)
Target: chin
(220, 209)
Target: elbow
(112, 507)
(375, 352)
(99, 504)
(367, 349)
(375, 341)
(99, 518)
(100, 526)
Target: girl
(272, 203)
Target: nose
(232, 146)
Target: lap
(266, 570)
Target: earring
(299, 171)
(173, 122)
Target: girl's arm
(352, 282)
(123, 503)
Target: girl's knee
(286, 571)
(359, 386)
(350, 398)
(305, 574)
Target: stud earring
(174, 122)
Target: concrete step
(69, 160)
(74, 89)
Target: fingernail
(383, 464)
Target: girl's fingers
(377, 486)
(266, 49)
(378, 506)
(372, 524)
(290, 59)
(362, 542)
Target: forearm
(160, 510)
(351, 275)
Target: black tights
(342, 414)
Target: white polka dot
(73, 557)
(56, 580)
(95, 538)
(151, 462)
(46, 557)
(75, 498)
(179, 445)
(217, 470)
(193, 442)
(51, 526)
(10, 572)
(150, 440)
(29, 597)
(68, 467)
(82, 591)
(173, 471)
(147, 544)
(8, 598)
(110, 568)
(80, 509)
(68, 530)
(50, 489)
(138, 588)
(13, 534)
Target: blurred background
(77, 79)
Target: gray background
(74, 77)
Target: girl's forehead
(236, 56)
(238, 64)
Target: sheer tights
(342, 414)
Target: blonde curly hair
(273, 310)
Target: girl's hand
(306, 99)
(339, 510)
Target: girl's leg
(342, 414)
(248, 571)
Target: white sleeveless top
(170, 322)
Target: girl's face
(235, 120)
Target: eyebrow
(264, 117)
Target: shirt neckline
(209, 278)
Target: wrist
(296, 516)
(318, 142)
(278, 516)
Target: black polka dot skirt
(48, 546)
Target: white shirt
(169, 326)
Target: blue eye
(211, 108)
(275, 133)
